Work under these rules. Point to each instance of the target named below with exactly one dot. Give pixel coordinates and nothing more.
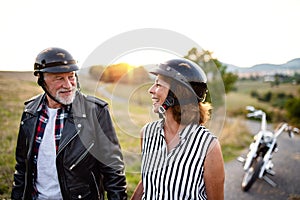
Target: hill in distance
(288, 68)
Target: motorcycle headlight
(268, 137)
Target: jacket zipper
(95, 182)
(61, 182)
(60, 150)
(82, 156)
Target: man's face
(62, 86)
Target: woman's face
(159, 91)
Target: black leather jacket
(89, 159)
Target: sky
(241, 33)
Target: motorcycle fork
(267, 158)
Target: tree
(96, 71)
(220, 82)
(229, 78)
(292, 107)
(203, 57)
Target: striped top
(177, 174)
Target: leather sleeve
(20, 167)
(112, 165)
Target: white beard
(66, 100)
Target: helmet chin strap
(77, 80)
(170, 101)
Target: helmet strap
(170, 101)
(77, 80)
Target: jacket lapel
(69, 132)
(72, 125)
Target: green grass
(236, 103)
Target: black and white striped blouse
(177, 174)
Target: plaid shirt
(61, 115)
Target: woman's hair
(189, 110)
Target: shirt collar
(187, 130)
(43, 106)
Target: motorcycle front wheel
(252, 173)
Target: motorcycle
(258, 162)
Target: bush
(292, 107)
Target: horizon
(134, 64)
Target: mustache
(66, 90)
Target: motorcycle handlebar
(293, 130)
(257, 113)
(250, 115)
(296, 130)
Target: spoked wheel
(252, 173)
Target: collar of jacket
(32, 105)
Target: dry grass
(235, 138)
(234, 133)
(294, 197)
(14, 89)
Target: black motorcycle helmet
(186, 73)
(54, 60)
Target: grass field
(14, 89)
(130, 111)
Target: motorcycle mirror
(250, 108)
(296, 130)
